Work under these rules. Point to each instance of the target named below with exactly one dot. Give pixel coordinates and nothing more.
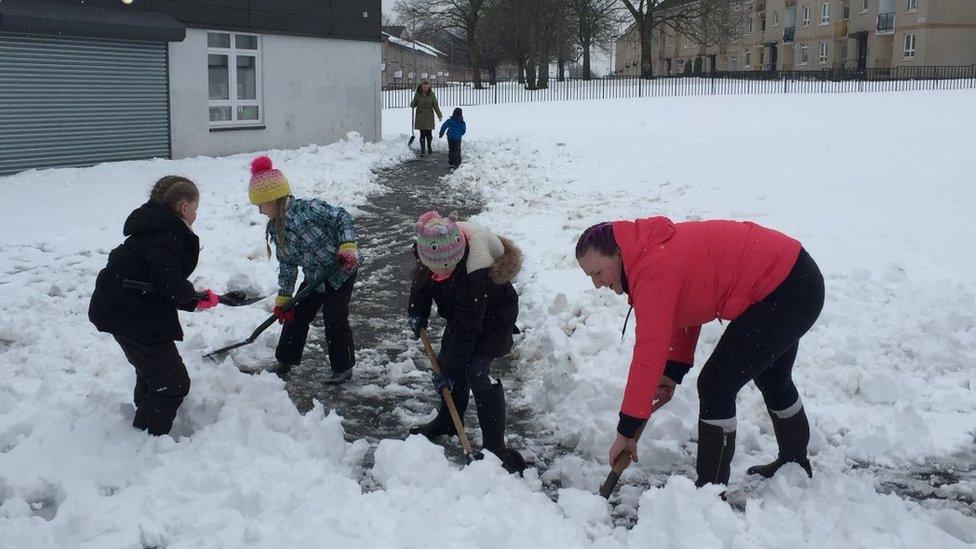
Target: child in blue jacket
(454, 126)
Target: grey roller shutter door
(79, 101)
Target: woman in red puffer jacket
(679, 276)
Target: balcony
(840, 29)
(886, 23)
(789, 35)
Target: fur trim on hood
(487, 250)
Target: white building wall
(315, 90)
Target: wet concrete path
(391, 389)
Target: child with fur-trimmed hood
(467, 270)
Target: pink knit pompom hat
(440, 242)
(267, 183)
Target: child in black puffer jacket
(136, 297)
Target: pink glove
(209, 302)
(348, 260)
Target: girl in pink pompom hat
(320, 238)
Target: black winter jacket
(480, 307)
(159, 249)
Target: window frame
(910, 53)
(912, 6)
(823, 54)
(824, 13)
(806, 16)
(804, 54)
(232, 53)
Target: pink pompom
(260, 164)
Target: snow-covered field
(878, 187)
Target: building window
(748, 59)
(804, 55)
(864, 6)
(909, 46)
(750, 24)
(806, 16)
(234, 79)
(775, 18)
(912, 5)
(823, 53)
(824, 13)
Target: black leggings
(334, 303)
(427, 135)
(761, 345)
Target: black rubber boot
(282, 369)
(792, 437)
(490, 404)
(715, 451)
(441, 424)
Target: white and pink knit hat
(440, 242)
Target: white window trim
(233, 102)
(823, 54)
(912, 6)
(804, 51)
(748, 59)
(825, 13)
(909, 53)
(775, 18)
(806, 16)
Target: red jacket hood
(634, 237)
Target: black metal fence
(719, 83)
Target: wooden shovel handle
(623, 461)
(446, 395)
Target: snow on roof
(414, 45)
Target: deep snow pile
(887, 374)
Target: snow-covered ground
(876, 186)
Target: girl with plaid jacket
(321, 239)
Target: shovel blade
(238, 299)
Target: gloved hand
(348, 256)
(417, 323)
(209, 302)
(441, 382)
(283, 316)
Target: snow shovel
(412, 134)
(446, 395)
(512, 461)
(290, 304)
(623, 461)
(231, 299)
(234, 299)
(617, 468)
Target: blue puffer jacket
(455, 129)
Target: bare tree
(565, 48)
(510, 21)
(596, 23)
(649, 15)
(462, 15)
(715, 22)
(545, 18)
